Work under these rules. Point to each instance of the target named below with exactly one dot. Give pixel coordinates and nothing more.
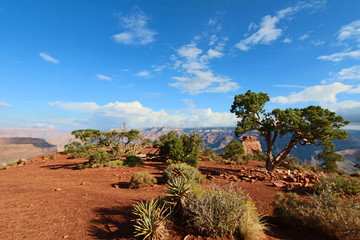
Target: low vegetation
(219, 212)
(338, 185)
(183, 170)
(325, 211)
(142, 179)
(180, 148)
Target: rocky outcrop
(250, 144)
(15, 148)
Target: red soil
(50, 199)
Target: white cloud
(48, 58)
(355, 89)
(103, 77)
(158, 68)
(317, 42)
(189, 103)
(350, 32)
(288, 86)
(349, 110)
(197, 77)
(268, 31)
(136, 115)
(337, 57)
(136, 32)
(349, 73)
(143, 74)
(303, 37)
(320, 93)
(2, 104)
(287, 40)
(189, 51)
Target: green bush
(81, 152)
(142, 179)
(235, 147)
(240, 159)
(181, 149)
(151, 217)
(323, 213)
(209, 154)
(338, 185)
(183, 170)
(99, 158)
(177, 191)
(71, 147)
(222, 212)
(133, 161)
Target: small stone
(58, 189)
(66, 236)
(279, 184)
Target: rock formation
(15, 148)
(250, 144)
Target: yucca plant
(177, 190)
(151, 219)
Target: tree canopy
(312, 125)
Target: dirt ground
(51, 199)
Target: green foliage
(146, 142)
(142, 179)
(306, 126)
(183, 170)
(177, 191)
(156, 143)
(209, 154)
(331, 158)
(151, 217)
(99, 158)
(81, 152)
(71, 147)
(133, 161)
(221, 212)
(86, 135)
(338, 185)
(323, 213)
(235, 147)
(181, 149)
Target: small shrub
(115, 164)
(209, 154)
(81, 152)
(177, 190)
(142, 179)
(338, 185)
(99, 158)
(218, 211)
(235, 147)
(323, 213)
(71, 147)
(240, 159)
(133, 161)
(184, 171)
(251, 225)
(151, 217)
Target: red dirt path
(50, 199)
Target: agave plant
(177, 190)
(151, 219)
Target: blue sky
(94, 64)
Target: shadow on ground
(112, 223)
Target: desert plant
(209, 154)
(177, 190)
(142, 179)
(338, 185)
(325, 213)
(99, 158)
(251, 225)
(133, 161)
(151, 216)
(181, 149)
(235, 147)
(183, 170)
(71, 147)
(217, 211)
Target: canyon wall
(15, 148)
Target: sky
(74, 64)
